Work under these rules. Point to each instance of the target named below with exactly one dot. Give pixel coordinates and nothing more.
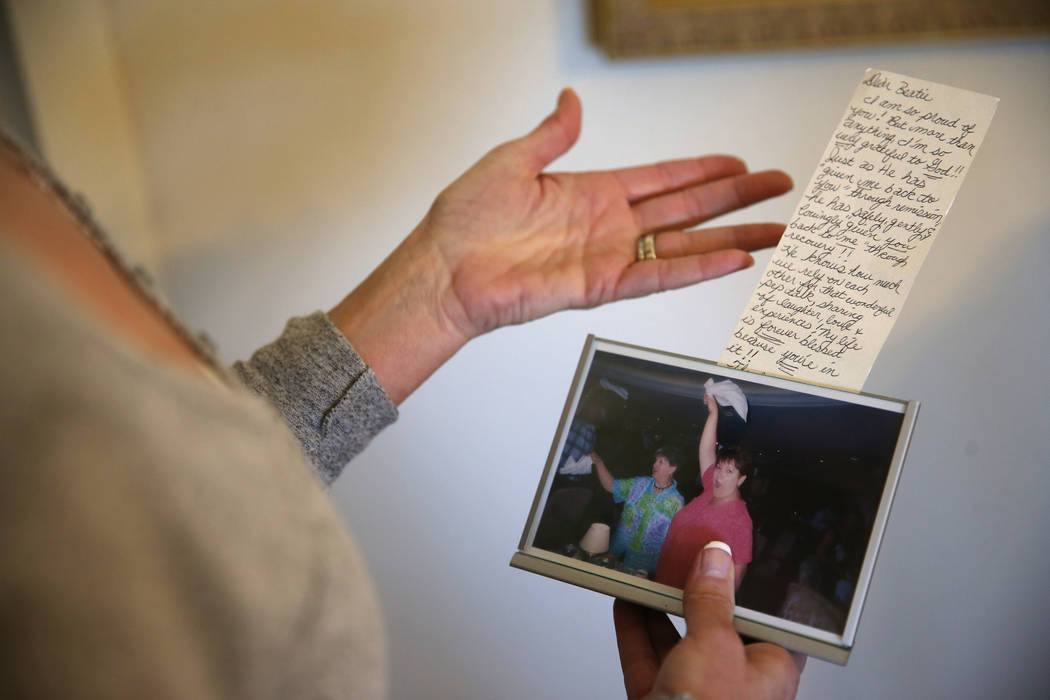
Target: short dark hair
(740, 456)
(672, 454)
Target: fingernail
(716, 559)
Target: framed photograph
(657, 454)
(625, 28)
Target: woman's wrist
(395, 319)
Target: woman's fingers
(774, 672)
(662, 633)
(749, 237)
(646, 181)
(552, 138)
(696, 204)
(709, 595)
(660, 275)
(638, 658)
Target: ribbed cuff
(327, 394)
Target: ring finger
(749, 237)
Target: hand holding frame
(710, 661)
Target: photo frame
(826, 467)
(626, 28)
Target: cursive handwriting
(851, 250)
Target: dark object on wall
(644, 27)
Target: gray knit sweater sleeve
(328, 396)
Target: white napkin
(615, 388)
(577, 466)
(727, 393)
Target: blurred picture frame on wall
(626, 28)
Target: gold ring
(646, 247)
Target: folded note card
(858, 237)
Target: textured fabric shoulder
(163, 536)
(326, 393)
(311, 374)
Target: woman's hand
(518, 243)
(710, 661)
(711, 403)
(507, 243)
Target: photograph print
(658, 455)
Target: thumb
(553, 137)
(708, 597)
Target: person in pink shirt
(718, 514)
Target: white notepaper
(851, 251)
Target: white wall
(288, 148)
(74, 85)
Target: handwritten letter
(846, 263)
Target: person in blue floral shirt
(649, 504)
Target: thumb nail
(716, 559)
